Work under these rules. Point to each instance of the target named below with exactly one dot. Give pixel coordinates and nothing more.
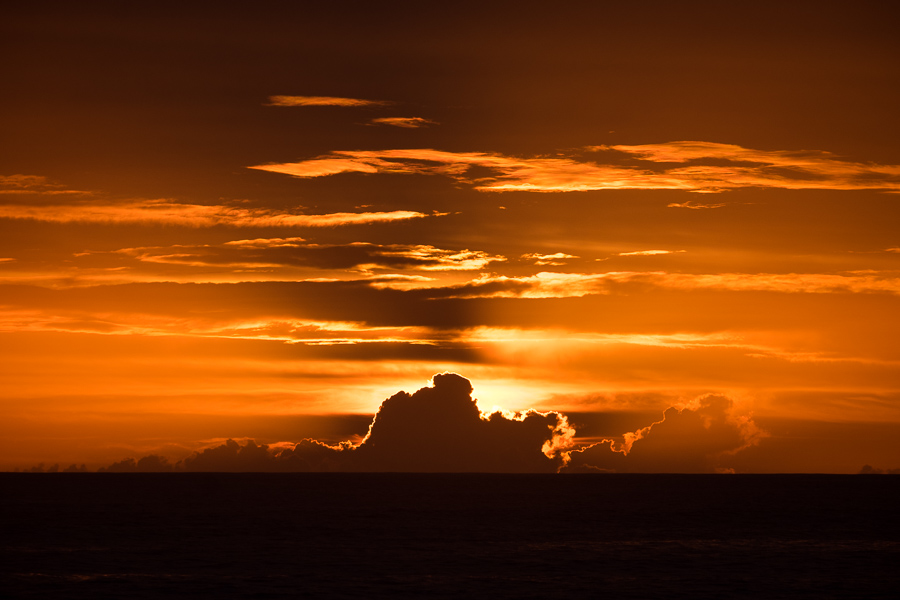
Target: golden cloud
(192, 215)
(744, 168)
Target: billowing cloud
(437, 429)
(405, 122)
(689, 166)
(191, 215)
(323, 101)
(556, 259)
(699, 438)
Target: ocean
(331, 535)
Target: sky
(643, 236)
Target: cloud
(556, 259)
(192, 215)
(34, 184)
(705, 167)
(286, 254)
(405, 122)
(571, 285)
(437, 429)
(649, 252)
(694, 205)
(323, 101)
(699, 438)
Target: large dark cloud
(701, 438)
(436, 429)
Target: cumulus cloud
(191, 215)
(404, 122)
(323, 101)
(439, 428)
(705, 167)
(699, 438)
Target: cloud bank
(705, 167)
(440, 429)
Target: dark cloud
(696, 439)
(436, 429)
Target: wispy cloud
(405, 122)
(694, 205)
(568, 285)
(192, 215)
(556, 259)
(322, 101)
(690, 166)
(649, 252)
(35, 184)
(292, 252)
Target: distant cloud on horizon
(441, 429)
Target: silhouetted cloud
(614, 169)
(437, 429)
(699, 438)
(870, 470)
(323, 101)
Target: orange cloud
(34, 184)
(556, 259)
(649, 252)
(322, 101)
(405, 122)
(694, 205)
(192, 215)
(743, 168)
(567, 285)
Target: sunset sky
(258, 223)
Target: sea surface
(216, 535)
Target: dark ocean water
(500, 536)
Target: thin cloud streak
(323, 101)
(192, 215)
(405, 122)
(297, 252)
(749, 168)
(649, 252)
(569, 285)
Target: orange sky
(260, 226)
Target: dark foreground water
(385, 535)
